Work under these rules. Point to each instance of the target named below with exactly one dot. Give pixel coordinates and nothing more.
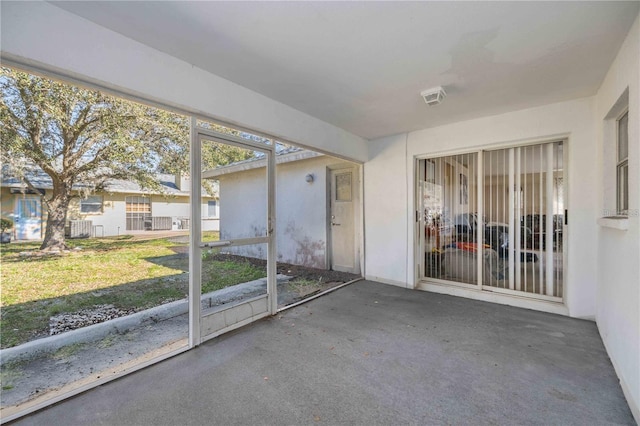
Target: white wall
(111, 222)
(301, 210)
(389, 189)
(42, 35)
(386, 205)
(618, 257)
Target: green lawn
(121, 271)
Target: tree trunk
(54, 239)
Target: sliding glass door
(494, 219)
(524, 204)
(449, 212)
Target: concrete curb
(121, 325)
(92, 332)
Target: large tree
(82, 139)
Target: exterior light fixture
(309, 178)
(433, 96)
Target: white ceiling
(362, 65)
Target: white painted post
(272, 254)
(195, 257)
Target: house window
(91, 204)
(212, 208)
(138, 211)
(622, 167)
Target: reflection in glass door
(449, 212)
(233, 269)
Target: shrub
(5, 224)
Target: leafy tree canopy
(84, 137)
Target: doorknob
(335, 224)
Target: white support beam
(195, 225)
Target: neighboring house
(305, 234)
(121, 208)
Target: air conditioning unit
(433, 96)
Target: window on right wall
(622, 165)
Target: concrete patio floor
(372, 354)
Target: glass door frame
(195, 239)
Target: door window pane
(449, 209)
(343, 187)
(524, 206)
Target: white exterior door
(343, 197)
(28, 220)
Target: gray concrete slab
(373, 354)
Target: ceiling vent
(433, 96)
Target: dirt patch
(295, 271)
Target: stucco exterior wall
(301, 210)
(618, 251)
(386, 204)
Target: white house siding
(301, 225)
(112, 220)
(618, 251)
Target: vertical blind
(516, 244)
